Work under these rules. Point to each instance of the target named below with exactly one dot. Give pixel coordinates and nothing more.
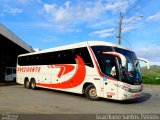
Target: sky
(50, 23)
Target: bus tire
(91, 92)
(27, 84)
(33, 84)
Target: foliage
(151, 76)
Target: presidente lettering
(28, 69)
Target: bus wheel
(33, 84)
(91, 92)
(27, 84)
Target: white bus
(96, 69)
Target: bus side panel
(88, 78)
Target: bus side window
(110, 67)
(66, 57)
(113, 67)
(83, 52)
(69, 58)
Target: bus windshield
(112, 66)
(131, 74)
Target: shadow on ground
(145, 97)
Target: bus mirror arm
(146, 61)
(118, 55)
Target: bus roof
(77, 45)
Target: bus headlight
(135, 90)
(129, 89)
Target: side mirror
(146, 61)
(119, 55)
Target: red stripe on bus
(95, 61)
(75, 81)
(111, 53)
(64, 69)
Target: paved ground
(17, 99)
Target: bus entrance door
(110, 88)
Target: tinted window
(59, 57)
(83, 52)
(98, 53)
(132, 67)
(107, 63)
